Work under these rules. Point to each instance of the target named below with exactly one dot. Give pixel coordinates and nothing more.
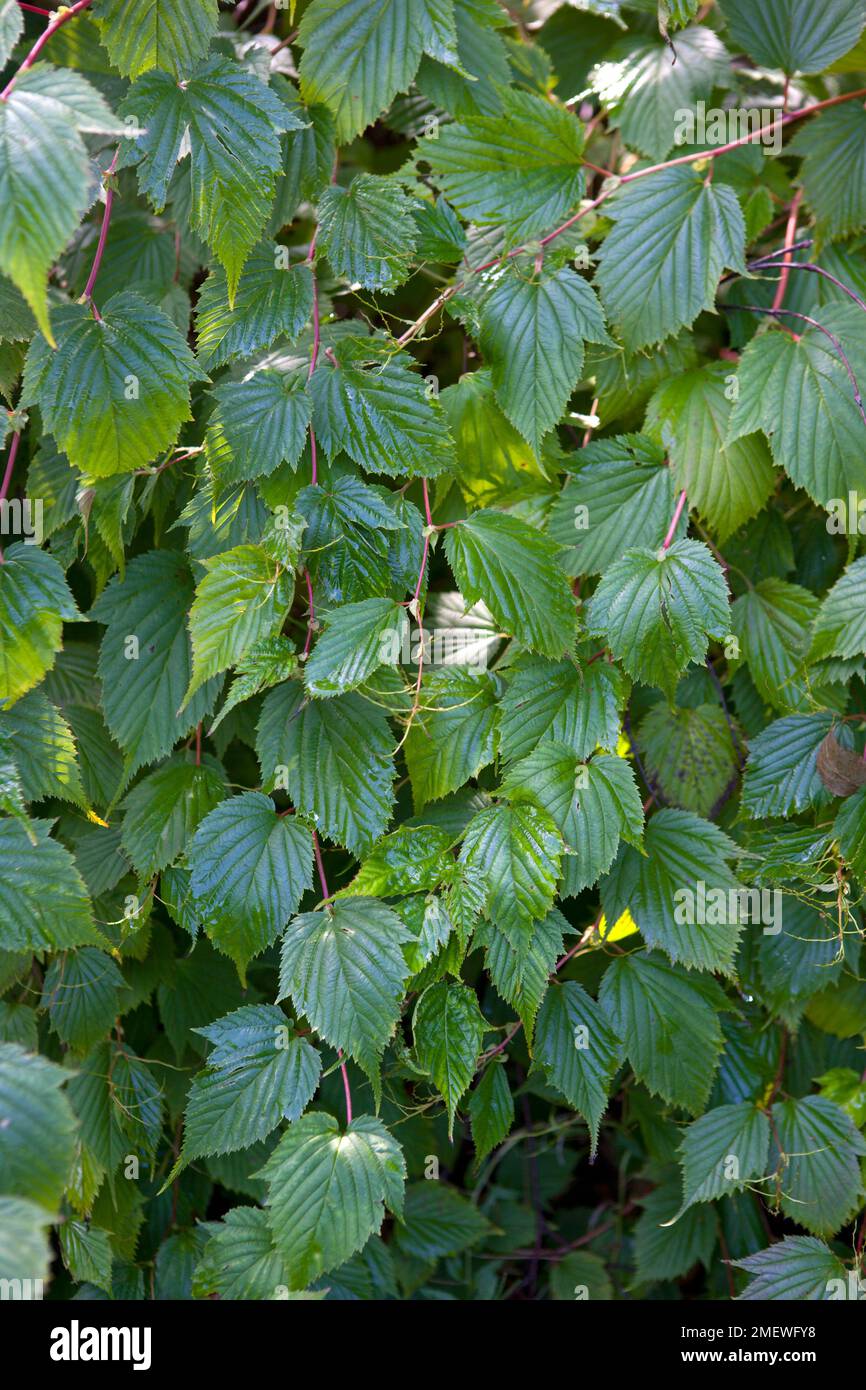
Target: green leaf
(517, 851)
(659, 267)
(348, 539)
(43, 748)
(668, 1249)
(578, 1050)
(580, 1275)
(689, 754)
(266, 664)
(521, 972)
(240, 1261)
(257, 1074)
(327, 1191)
(273, 299)
(521, 167)
(250, 868)
(840, 626)
(367, 231)
(723, 1152)
(772, 622)
(658, 610)
(42, 121)
(81, 994)
(243, 598)
(25, 1249)
(38, 1128)
(358, 54)
(817, 1149)
(514, 569)
(412, 860)
(379, 413)
(454, 734)
(233, 122)
(162, 813)
(491, 1110)
(576, 706)
(797, 1268)
(532, 334)
(646, 88)
(726, 484)
(358, 638)
(668, 1022)
(797, 35)
(11, 28)
(833, 171)
(335, 759)
(144, 680)
(167, 34)
(308, 154)
(681, 891)
(798, 392)
(781, 776)
(592, 804)
(116, 391)
(448, 1028)
(34, 602)
(87, 1253)
(43, 901)
(258, 425)
(439, 1221)
(202, 987)
(344, 969)
(850, 830)
(619, 496)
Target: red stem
(790, 238)
(624, 179)
(317, 338)
(678, 511)
(10, 464)
(744, 139)
(40, 43)
(7, 476)
(103, 235)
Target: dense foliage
(433, 648)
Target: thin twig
(59, 20)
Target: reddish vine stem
(790, 238)
(678, 511)
(103, 236)
(56, 23)
(621, 179)
(7, 476)
(317, 850)
(769, 264)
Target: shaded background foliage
(328, 971)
